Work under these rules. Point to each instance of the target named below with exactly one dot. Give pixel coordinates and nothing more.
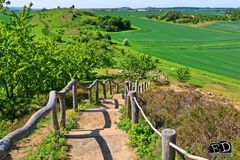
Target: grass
(54, 145)
(231, 27)
(215, 51)
(210, 53)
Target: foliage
(183, 74)
(179, 17)
(137, 66)
(72, 120)
(53, 147)
(233, 14)
(6, 127)
(124, 123)
(142, 138)
(145, 141)
(126, 42)
(33, 65)
(114, 24)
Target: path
(98, 137)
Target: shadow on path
(95, 133)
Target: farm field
(214, 48)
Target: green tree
(137, 66)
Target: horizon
(96, 4)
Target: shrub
(145, 141)
(142, 138)
(53, 147)
(125, 42)
(137, 66)
(183, 74)
(124, 124)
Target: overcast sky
(126, 3)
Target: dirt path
(98, 137)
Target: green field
(214, 48)
(231, 27)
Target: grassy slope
(214, 51)
(232, 27)
(177, 46)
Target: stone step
(104, 144)
(78, 133)
(118, 96)
(98, 118)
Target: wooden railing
(168, 136)
(7, 141)
(131, 90)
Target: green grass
(215, 51)
(232, 27)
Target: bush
(142, 138)
(125, 42)
(145, 141)
(53, 147)
(6, 127)
(183, 74)
(137, 66)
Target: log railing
(131, 90)
(168, 136)
(7, 141)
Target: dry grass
(199, 118)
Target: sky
(126, 3)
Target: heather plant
(198, 120)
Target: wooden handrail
(66, 89)
(132, 112)
(7, 141)
(93, 84)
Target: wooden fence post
(62, 112)
(90, 95)
(128, 107)
(130, 86)
(97, 93)
(137, 86)
(145, 85)
(55, 123)
(126, 90)
(139, 89)
(134, 108)
(117, 88)
(110, 88)
(168, 152)
(74, 95)
(104, 90)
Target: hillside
(211, 51)
(92, 67)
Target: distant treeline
(110, 24)
(179, 17)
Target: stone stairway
(98, 137)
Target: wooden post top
(168, 132)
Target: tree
(183, 74)
(137, 66)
